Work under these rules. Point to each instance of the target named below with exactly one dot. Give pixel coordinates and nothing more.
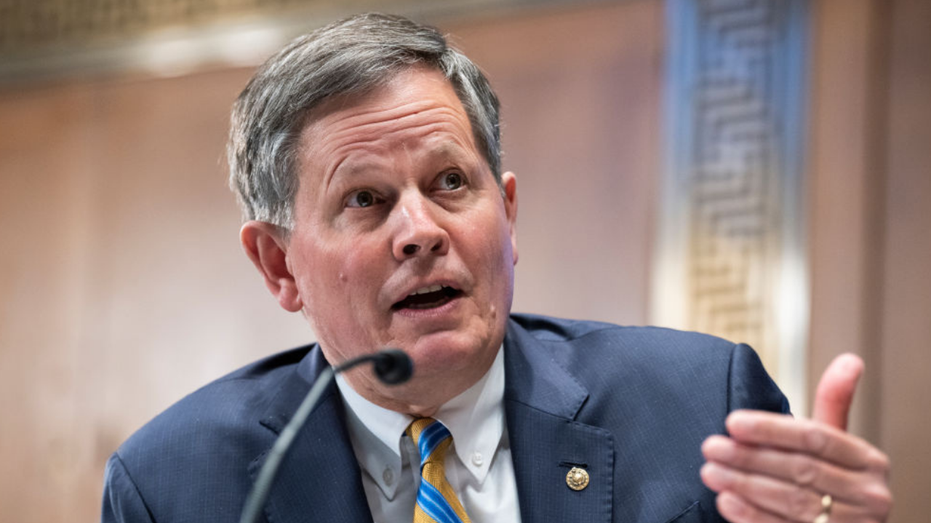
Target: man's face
(402, 237)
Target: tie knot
(430, 436)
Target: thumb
(835, 390)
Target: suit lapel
(319, 479)
(541, 403)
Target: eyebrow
(446, 150)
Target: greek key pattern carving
(732, 176)
(733, 205)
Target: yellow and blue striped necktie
(436, 500)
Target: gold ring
(826, 503)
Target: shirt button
(388, 476)
(477, 459)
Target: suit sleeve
(122, 502)
(749, 386)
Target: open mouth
(428, 298)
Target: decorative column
(731, 257)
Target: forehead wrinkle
(364, 114)
(362, 125)
(451, 144)
(437, 142)
(385, 128)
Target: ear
(267, 247)
(509, 182)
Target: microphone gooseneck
(392, 366)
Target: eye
(363, 198)
(451, 181)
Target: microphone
(392, 366)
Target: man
(366, 158)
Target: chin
(450, 354)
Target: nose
(417, 231)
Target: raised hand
(775, 469)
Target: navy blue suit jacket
(631, 405)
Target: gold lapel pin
(577, 478)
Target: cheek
(339, 300)
(343, 283)
(503, 247)
(358, 269)
(317, 270)
(493, 254)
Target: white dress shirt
(479, 468)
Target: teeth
(425, 290)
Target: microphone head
(393, 366)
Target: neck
(408, 398)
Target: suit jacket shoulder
(657, 361)
(196, 462)
(632, 404)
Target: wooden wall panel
(871, 213)
(905, 369)
(123, 285)
(42, 261)
(847, 147)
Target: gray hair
(352, 56)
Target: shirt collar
(475, 418)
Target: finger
(856, 488)
(786, 500)
(737, 510)
(807, 436)
(835, 390)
